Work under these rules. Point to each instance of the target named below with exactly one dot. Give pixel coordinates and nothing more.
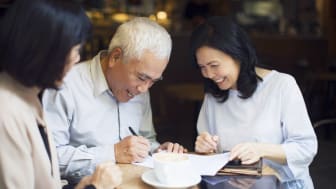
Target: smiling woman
(250, 111)
(226, 49)
(218, 67)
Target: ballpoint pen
(135, 134)
(132, 131)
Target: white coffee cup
(173, 168)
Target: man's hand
(131, 149)
(172, 147)
(205, 143)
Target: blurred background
(293, 36)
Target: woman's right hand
(206, 143)
(106, 176)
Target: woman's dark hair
(223, 34)
(36, 37)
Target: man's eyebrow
(150, 78)
(145, 75)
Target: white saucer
(149, 178)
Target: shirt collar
(28, 94)
(99, 81)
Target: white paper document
(208, 164)
(203, 164)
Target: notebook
(235, 167)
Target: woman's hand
(205, 143)
(248, 153)
(106, 176)
(251, 152)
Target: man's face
(127, 79)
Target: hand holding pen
(206, 143)
(167, 146)
(132, 148)
(135, 134)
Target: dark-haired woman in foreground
(252, 112)
(40, 41)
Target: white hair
(140, 34)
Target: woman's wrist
(272, 152)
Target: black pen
(134, 133)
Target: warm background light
(120, 17)
(161, 15)
(152, 17)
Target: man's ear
(114, 57)
(116, 54)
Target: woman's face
(218, 66)
(72, 58)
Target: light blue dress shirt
(83, 116)
(276, 114)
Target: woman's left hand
(248, 153)
(172, 147)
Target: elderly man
(102, 99)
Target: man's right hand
(131, 149)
